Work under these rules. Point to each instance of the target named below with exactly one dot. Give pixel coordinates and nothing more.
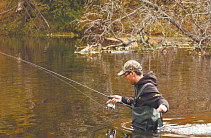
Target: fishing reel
(111, 106)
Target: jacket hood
(148, 78)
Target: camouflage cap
(130, 65)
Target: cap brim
(121, 73)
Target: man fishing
(147, 104)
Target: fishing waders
(146, 118)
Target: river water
(37, 104)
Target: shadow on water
(36, 104)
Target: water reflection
(134, 134)
(36, 104)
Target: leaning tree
(140, 20)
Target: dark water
(35, 104)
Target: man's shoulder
(149, 87)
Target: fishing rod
(49, 71)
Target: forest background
(36, 17)
(124, 20)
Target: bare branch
(170, 19)
(40, 13)
(7, 10)
(138, 22)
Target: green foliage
(58, 14)
(62, 12)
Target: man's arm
(163, 106)
(127, 100)
(123, 99)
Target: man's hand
(162, 109)
(116, 98)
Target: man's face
(130, 77)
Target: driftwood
(122, 52)
(90, 49)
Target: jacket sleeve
(127, 100)
(154, 97)
(164, 102)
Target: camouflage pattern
(130, 65)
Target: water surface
(35, 103)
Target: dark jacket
(150, 96)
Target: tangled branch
(139, 21)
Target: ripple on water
(189, 129)
(177, 127)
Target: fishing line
(56, 75)
(52, 74)
(75, 88)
